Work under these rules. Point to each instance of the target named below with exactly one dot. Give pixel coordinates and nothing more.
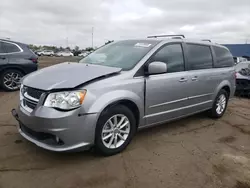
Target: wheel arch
(120, 97)
(130, 105)
(223, 85)
(5, 68)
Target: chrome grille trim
(30, 98)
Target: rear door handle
(183, 80)
(194, 78)
(2, 57)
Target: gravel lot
(191, 153)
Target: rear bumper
(31, 67)
(65, 131)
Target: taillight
(235, 75)
(34, 60)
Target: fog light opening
(58, 140)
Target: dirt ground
(193, 152)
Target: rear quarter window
(223, 57)
(199, 57)
(10, 48)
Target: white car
(83, 54)
(46, 53)
(239, 60)
(64, 54)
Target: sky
(70, 22)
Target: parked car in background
(64, 53)
(83, 54)
(121, 87)
(16, 60)
(46, 53)
(239, 59)
(76, 52)
(243, 78)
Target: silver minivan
(122, 87)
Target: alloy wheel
(12, 80)
(115, 131)
(221, 104)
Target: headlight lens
(65, 100)
(21, 92)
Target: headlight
(65, 100)
(21, 92)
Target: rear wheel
(220, 104)
(115, 129)
(10, 79)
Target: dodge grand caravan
(122, 87)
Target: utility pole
(67, 36)
(93, 37)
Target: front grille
(31, 98)
(31, 105)
(35, 93)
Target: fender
(220, 86)
(111, 97)
(11, 66)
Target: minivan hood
(66, 75)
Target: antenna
(159, 36)
(92, 37)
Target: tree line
(57, 49)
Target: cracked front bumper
(55, 130)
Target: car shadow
(176, 123)
(92, 155)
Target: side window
(1, 49)
(172, 55)
(10, 48)
(223, 57)
(199, 57)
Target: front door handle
(183, 80)
(194, 78)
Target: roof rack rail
(174, 36)
(206, 40)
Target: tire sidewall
(119, 109)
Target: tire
(216, 113)
(16, 76)
(119, 111)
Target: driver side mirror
(157, 67)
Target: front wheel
(220, 104)
(115, 129)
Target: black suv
(16, 60)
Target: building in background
(239, 50)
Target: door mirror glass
(157, 67)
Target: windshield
(122, 54)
